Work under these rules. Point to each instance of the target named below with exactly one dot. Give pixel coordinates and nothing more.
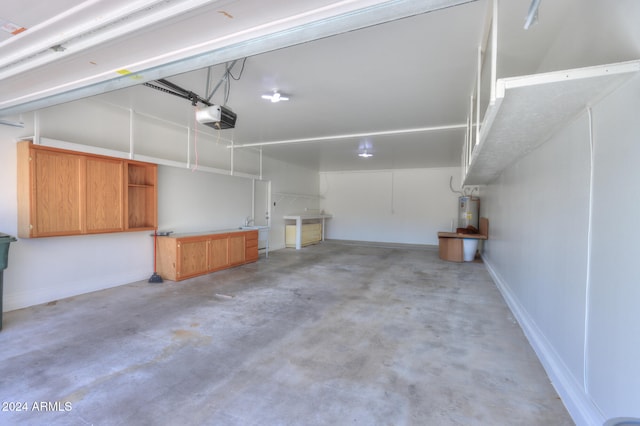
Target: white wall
(613, 374)
(193, 201)
(294, 190)
(45, 269)
(601, 32)
(567, 297)
(398, 206)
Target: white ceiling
(358, 76)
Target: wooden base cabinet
(218, 252)
(236, 249)
(311, 234)
(182, 257)
(192, 257)
(251, 246)
(62, 192)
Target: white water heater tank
(468, 208)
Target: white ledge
(528, 110)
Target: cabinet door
(104, 188)
(236, 249)
(311, 233)
(251, 246)
(57, 194)
(219, 253)
(192, 258)
(166, 258)
(290, 235)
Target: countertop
(482, 235)
(218, 231)
(304, 216)
(460, 235)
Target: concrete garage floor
(333, 334)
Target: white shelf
(528, 110)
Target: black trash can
(5, 240)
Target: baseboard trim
(582, 409)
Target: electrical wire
(227, 89)
(227, 83)
(241, 71)
(451, 187)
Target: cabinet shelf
(141, 196)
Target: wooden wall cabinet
(50, 195)
(63, 192)
(103, 186)
(182, 257)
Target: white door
(262, 196)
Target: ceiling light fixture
(364, 147)
(275, 97)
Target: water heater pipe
(453, 190)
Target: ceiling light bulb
(365, 154)
(275, 97)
